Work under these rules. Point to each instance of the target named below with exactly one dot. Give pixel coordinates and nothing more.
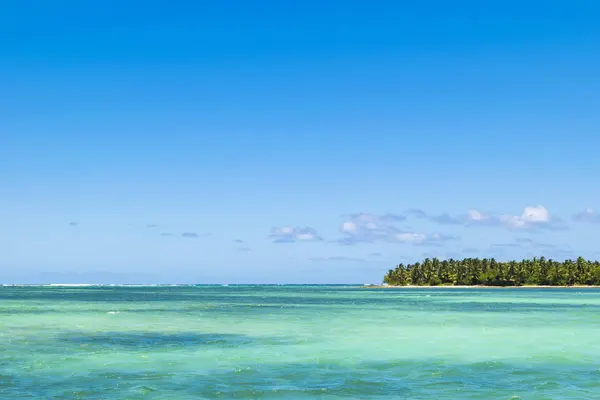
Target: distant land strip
(488, 272)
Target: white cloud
(349, 227)
(289, 234)
(531, 217)
(474, 215)
(535, 214)
(512, 221)
(371, 228)
(305, 236)
(410, 237)
(368, 228)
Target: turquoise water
(298, 342)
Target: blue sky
(274, 142)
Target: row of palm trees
(489, 272)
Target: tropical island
(490, 272)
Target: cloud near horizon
(532, 217)
(444, 218)
(372, 228)
(289, 234)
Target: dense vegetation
(489, 272)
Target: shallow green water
(298, 342)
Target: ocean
(298, 342)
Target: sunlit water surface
(298, 342)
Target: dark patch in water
(135, 340)
(151, 340)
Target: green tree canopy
(490, 272)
